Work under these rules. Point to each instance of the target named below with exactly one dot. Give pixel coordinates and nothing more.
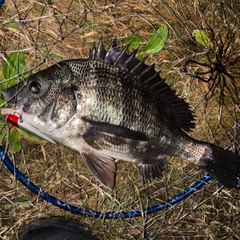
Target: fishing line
(109, 215)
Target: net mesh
(206, 74)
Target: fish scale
(113, 106)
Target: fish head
(45, 100)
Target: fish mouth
(16, 111)
(9, 95)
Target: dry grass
(49, 31)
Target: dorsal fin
(148, 76)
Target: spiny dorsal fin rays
(148, 73)
(101, 51)
(93, 51)
(113, 44)
(153, 81)
(121, 58)
(138, 67)
(131, 61)
(112, 53)
(147, 76)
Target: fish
(113, 106)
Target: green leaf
(15, 65)
(1, 100)
(140, 56)
(158, 40)
(201, 38)
(14, 142)
(2, 135)
(13, 25)
(133, 42)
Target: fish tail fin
(222, 165)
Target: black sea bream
(113, 106)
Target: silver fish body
(112, 106)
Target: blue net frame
(1, 3)
(109, 215)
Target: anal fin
(103, 168)
(152, 171)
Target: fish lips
(9, 95)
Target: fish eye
(35, 87)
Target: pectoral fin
(103, 168)
(116, 130)
(152, 171)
